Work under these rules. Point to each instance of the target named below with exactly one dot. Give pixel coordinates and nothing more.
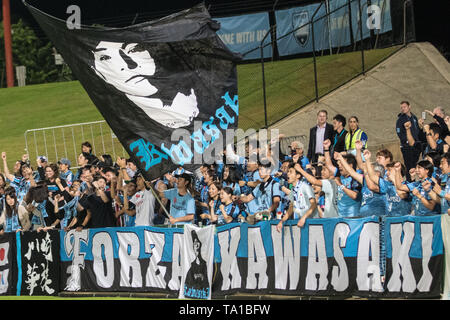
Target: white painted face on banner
(129, 69)
(125, 67)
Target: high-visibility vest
(349, 145)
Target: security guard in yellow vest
(354, 134)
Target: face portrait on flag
(166, 87)
(129, 68)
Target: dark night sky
(431, 17)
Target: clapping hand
(359, 145)
(367, 154)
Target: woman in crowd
(14, 217)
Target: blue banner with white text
(244, 34)
(369, 257)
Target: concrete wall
(417, 73)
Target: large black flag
(151, 79)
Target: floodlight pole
(8, 44)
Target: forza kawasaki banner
(122, 259)
(331, 257)
(166, 87)
(334, 256)
(326, 257)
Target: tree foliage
(37, 55)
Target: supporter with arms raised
(397, 203)
(434, 142)
(372, 202)
(349, 189)
(20, 183)
(440, 192)
(423, 204)
(328, 185)
(98, 205)
(439, 116)
(303, 203)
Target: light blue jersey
(180, 206)
(419, 208)
(373, 203)
(347, 207)
(233, 185)
(445, 205)
(264, 194)
(231, 209)
(395, 205)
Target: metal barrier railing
(65, 141)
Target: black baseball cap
(184, 175)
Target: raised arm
(398, 179)
(409, 136)
(429, 135)
(326, 151)
(8, 175)
(355, 175)
(311, 179)
(369, 174)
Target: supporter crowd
(336, 177)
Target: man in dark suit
(318, 134)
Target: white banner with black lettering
(197, 262)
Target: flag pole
(155, 194)
(8, 44)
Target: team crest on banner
(167, 87)
(197, 262)
(299, 19)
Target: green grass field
(290, 84)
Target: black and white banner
(40, 263)
(197, 262)
(397, 257)
(150, 79)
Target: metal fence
(276, 87)
(65, 141)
